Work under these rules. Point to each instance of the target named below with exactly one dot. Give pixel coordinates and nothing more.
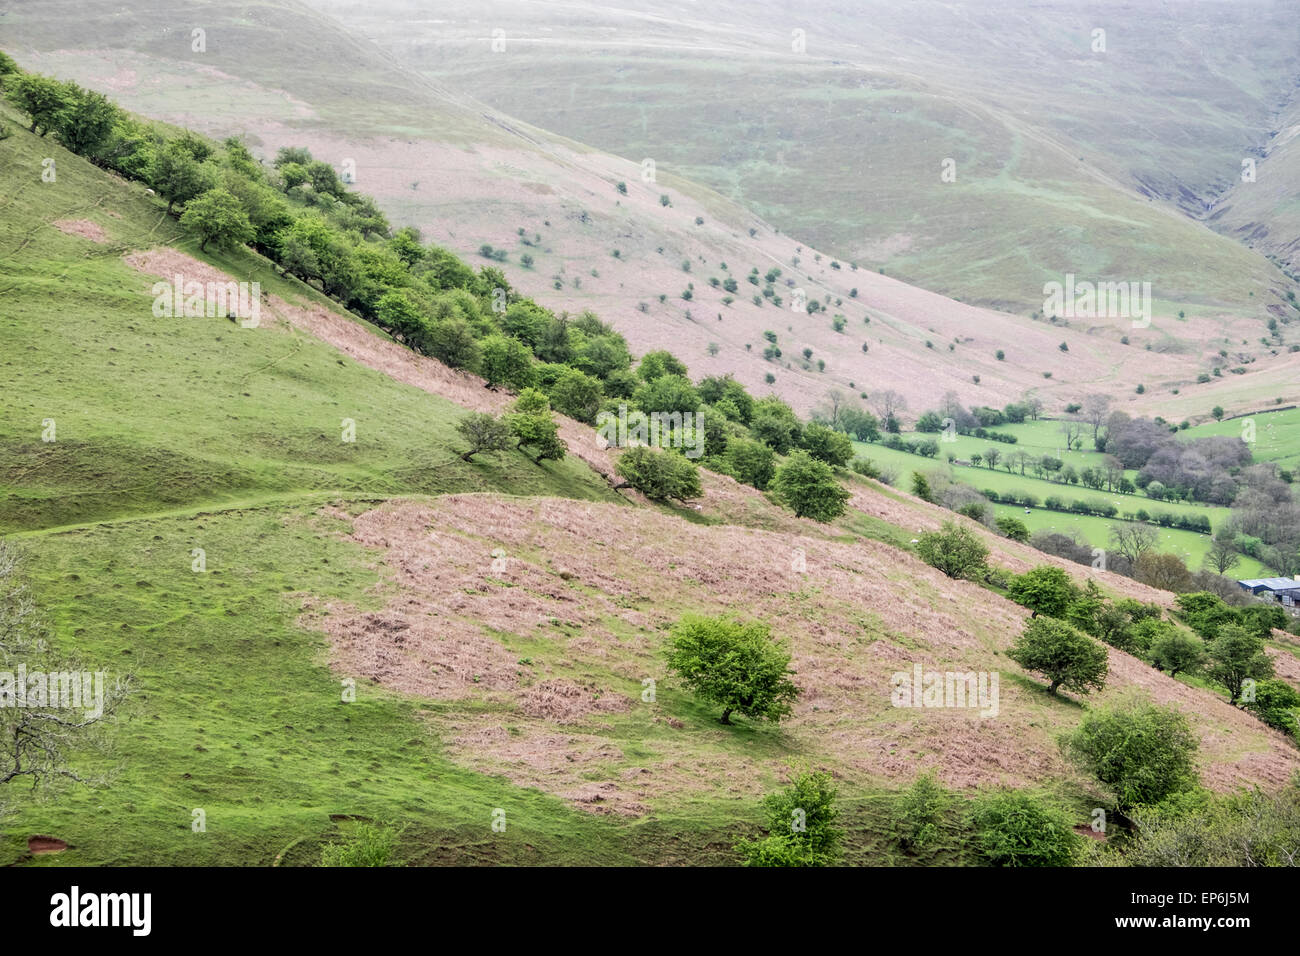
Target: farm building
(1286, 590)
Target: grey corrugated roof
(1273, 584)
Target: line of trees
(306, 219)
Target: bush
(954, 550)
(1045, 589)
(808, 487)
(801, 826)
(919, 812)
(1176, 651)
(1013, 528)
(370, 844)
(659, 475)
(750, 461)
(733, 664)
(1141, 752)
(1275, 704)
(865, 467)
(1244, 829)
(1064, 655)
(1014, 829)
(825, 444)
(921, 487)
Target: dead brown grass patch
(84, 228)
(590, 589)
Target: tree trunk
(1051, 688)
(726, 716)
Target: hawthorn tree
(734, 664)
(1064, 655)
(506, 361)
(659, 475)
(956, 551)
(42, 98)
(452, 342)
(750, 461)
(217, 217)
(41, 745)
(532, 426)
(86, 121)
(808, 487)
(1045, 589)
(826, 444)
(577, 395)
(177, 174)
(1177, 651)
(484, 432)
(1142, 753)
(1236, 655)
(396, 312)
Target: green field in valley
(1043, 437)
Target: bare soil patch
(84, 228)
(40, 845)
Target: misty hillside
(427, 479)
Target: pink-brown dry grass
(1286, 665)
(84, 228)
(587, 592)
(917, 516)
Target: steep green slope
(179, 434)
(152, 414)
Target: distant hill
(470, 175)
(1083, 138)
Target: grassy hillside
(500, 619)
(1275, 434)
(1059, 148)
(1264, 212)
(470, 175)
(189, 411)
